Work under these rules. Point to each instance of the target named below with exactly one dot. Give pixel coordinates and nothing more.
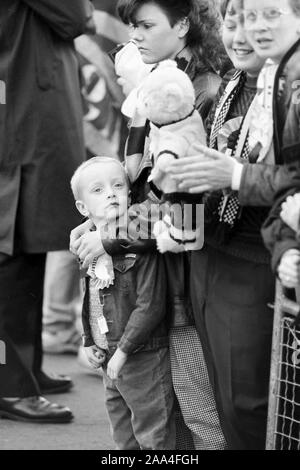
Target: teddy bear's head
(166, 95)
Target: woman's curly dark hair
(203, 37)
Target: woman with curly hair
(186, 31)
(199, 39)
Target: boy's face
(104, 192)
(272, 27)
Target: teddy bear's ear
(173, 97)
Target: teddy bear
(167, 99)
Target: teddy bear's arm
(173, 146)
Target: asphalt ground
(88, 431)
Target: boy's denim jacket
(134, 307)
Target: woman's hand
(116, 363)
(290, 213)
(77, 233)
(210, 170)
(288, 269)
(89, 246)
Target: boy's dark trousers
(140, 403)
(21, 294)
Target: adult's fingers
(289, 284)
(111, 374)
(200, 189)
(95, 363)
(185, 166)
(74, 245)
(86, 260)
(193, 171)
(288, 272)
(193, 182)
(83, 252)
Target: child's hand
(89, 247)
(288, 270)
(291, 212)
(77, 233)
(96, 356)
(116, 363)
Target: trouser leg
(21, 281)
(146, 386)
(62, 294)
(38, 347)
(119, 416)
(184, 437)
(16, 379)
(230, 301)
(193, 389)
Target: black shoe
(54, 383)
(34, 410)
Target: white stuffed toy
(167, 99)
(131, 70)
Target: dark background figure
(105, 132)
(41, 144)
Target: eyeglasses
(271, 17)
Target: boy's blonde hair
(75, 180)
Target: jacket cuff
(129, 348)
(237, 176)
(110, 247)
(87, 341)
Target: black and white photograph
(149, 228)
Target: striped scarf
(229, 209)
(256, 128)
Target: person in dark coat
(41, 145)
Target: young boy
(125, 323)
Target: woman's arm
(256, 183)
(88, 245)
(260, 183)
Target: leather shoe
(51, 384)
(35, 410)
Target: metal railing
(284, 399)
